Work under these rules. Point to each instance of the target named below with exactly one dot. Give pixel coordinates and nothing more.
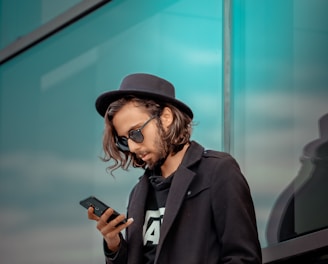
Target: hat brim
(105, 99)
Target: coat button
(189, 193)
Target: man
(191, 205)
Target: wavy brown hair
(176, 136)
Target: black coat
(209, 216)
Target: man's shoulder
(198, 151)
(205, 155)
(209, 153)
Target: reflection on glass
(301, 207)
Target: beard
(160, 155)
(160, 152)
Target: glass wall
(18, 18)
(50, 133)
(281, 112)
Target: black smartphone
(99, 208)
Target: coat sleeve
(234, 214)
(119, 257)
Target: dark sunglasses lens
(122, 143)
(136, 136)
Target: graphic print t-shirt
(154, 215)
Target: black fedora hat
(144, 86)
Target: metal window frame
(61, 21)
(227, 94)
(306, 244)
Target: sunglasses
(135, 135)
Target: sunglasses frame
(134, 134)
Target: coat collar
(193, 154)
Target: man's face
(132, 117)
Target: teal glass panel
(18, 18)
(280, 95)
(50, 133)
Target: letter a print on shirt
(152, 226)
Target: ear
(166, 117)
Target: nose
(133, 146)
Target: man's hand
(111, 230)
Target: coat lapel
(181, 181)
(178, 191)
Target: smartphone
(99, 208)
